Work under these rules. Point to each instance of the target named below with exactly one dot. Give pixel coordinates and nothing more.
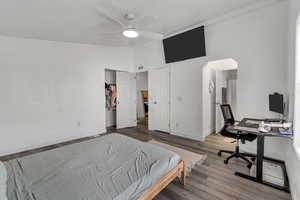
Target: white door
(159, 99)
(126, 100)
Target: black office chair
(229, 121)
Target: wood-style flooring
(213, 180)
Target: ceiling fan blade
(151, 35)
(110, 33)
(108, 16)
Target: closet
(159, 99)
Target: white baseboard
(208, 132)
(193, 137)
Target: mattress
(109, 167)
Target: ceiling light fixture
(130, 33)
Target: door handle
(155, 102)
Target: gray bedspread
(109, 167)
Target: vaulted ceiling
(86, 21)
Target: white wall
(259, 46)
(149, 55)
(292, 158)
(209, 100)
(186, 98)
(51, 91)
(141, 84)
(269, 58)
(257, 40)
(110, 114)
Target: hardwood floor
(213, 180)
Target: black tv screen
(276, 103)
(187, 45)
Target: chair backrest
(227, 114)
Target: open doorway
(120, 95)
(219, 87)
(226, 80)
(226, 88)
(110, 99)
(142, 99)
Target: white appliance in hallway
(126, 100)
(159, 99)
(231, 94)
(220, 85)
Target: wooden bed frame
(178, 171)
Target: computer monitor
(276, 103)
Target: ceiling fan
(128, 29)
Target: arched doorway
(219, 87)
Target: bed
(109, 167)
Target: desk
(240, 127)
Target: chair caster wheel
(226, 162)
(219, 154)
(253, 159)
(249, 166)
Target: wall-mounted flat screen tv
(187, 45)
